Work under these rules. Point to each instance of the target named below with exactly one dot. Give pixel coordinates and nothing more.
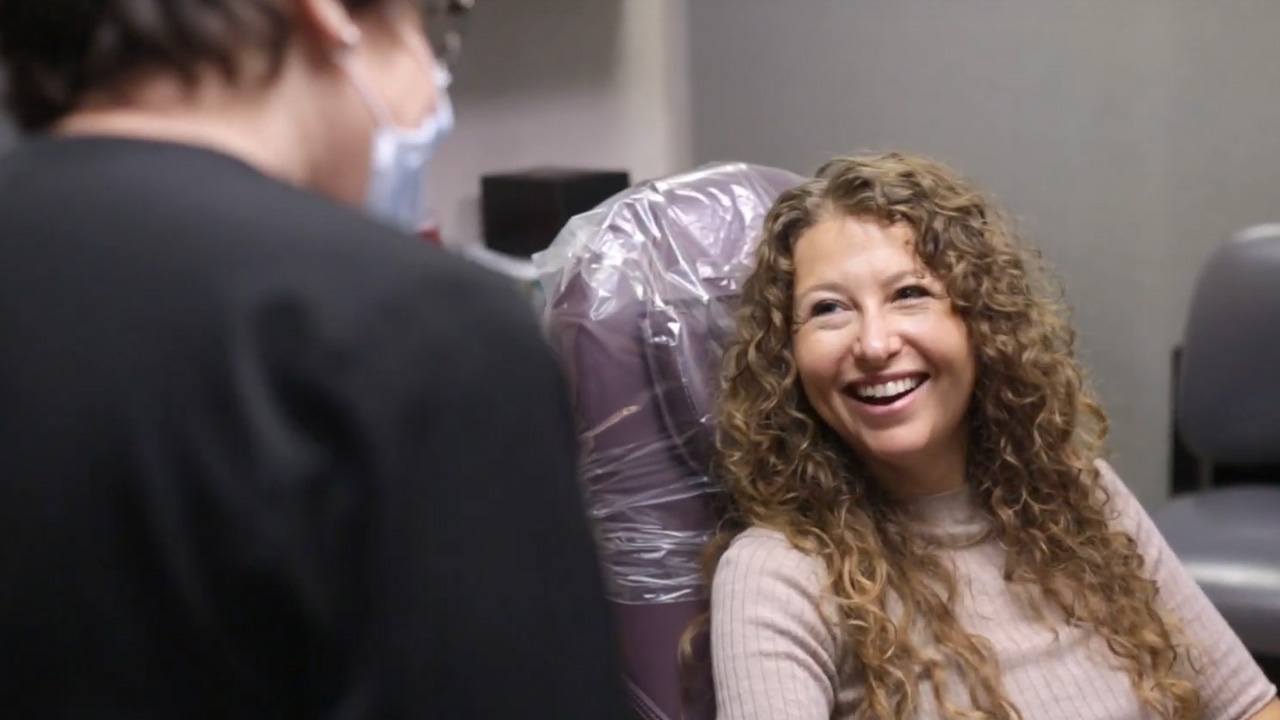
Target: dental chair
(640, 299)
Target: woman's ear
(327, 23)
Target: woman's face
(881, 354)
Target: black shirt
(261, 457)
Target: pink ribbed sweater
(777, 658)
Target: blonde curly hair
(1034, 431)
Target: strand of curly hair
(1034, 430)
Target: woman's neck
(923, 475)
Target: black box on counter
(523, 211)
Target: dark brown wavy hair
(55, 52)
(1034, 431)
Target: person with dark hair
(920, 523)
(262, 454)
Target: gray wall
(1129, 138)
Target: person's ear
(327, 23)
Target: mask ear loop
(351, 39)
(443, 112)
(444, 104)
(423, 50)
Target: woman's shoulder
(760, 554)
(1108, 476)
(760, 540)
(774, 648)
(1123, 508)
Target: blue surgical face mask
(398, 157)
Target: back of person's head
(1033, 430)
(57, 51)
(343, 97)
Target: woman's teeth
(887, 389)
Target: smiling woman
(919, 521)
(882, 356)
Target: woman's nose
(877, 340)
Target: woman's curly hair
(1034, 431)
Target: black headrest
(1229, 382)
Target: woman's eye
(824, 307)
(911, 292)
